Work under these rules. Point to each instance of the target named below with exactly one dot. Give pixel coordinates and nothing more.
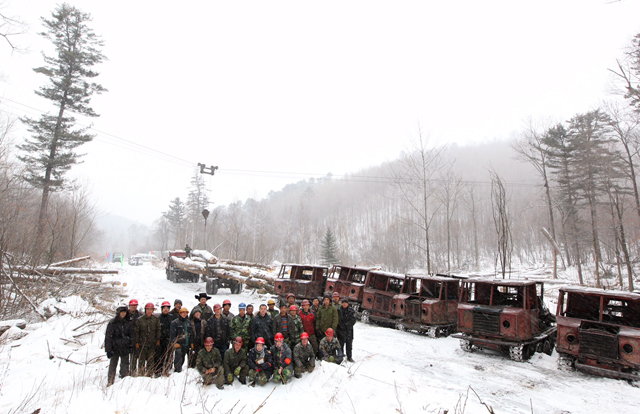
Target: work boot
(350, 359)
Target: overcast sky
(308, 88)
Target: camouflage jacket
(303, 355)
(148, 331)
(241, 327)
(281, 356)
(273, 313)
(296, 331)
(330, 348)
(326, 317)
(205, 312)
(208, 360)
(233, 359)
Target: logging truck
(201, 263)
(177, 271)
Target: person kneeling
(281, 354)
(330, 349)
(209, 364)
(303, 356)
(235, 362)
(260, 363)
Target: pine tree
(49, 153)
(329, 249)
(176, 217)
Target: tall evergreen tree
(329, 249)
(49, 153)
(176, 218)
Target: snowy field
(394, 372)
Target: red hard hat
(305, 302)
(335, 295)
(226, 302)
(217, 306)
(329, 332)
(279, 337)
(149, 306)
(291, 294)
(304, 335)
(208, 341)
(133, 302)
(165, 303)
(238, 340)
(260, 340)
(293, 307)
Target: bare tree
(502, 222)
(414, 177)
(11, 27)
(448, 193)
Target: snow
(394, 371)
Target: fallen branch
(265, 401)
(35, 308)
(66, 262)
(68, 360)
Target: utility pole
(205, 214)
(207, 170)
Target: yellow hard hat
(271, 302)
(183, 309)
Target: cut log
(208, 257)
(190, 266)
(249, 264)
(68, 262)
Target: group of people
(271, 344)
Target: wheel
(547, 347)
(236, 288)
(214, 287)
(517, 353)
(466, 345)
(565, 362)
(366, 316)
(400, 326)
(432, 332)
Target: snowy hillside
(60, 367)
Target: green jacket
(148, 331)
(205, 312)
(233, 360)
(326, 317)
(241, 327)
(296, 331)
(208, 360)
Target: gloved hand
(158, 342)
(137, 346)
(332, 359)
(109, 354)
(229, 378)
(191, 346)
(237, 371)
(177, 346)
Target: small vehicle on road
(599, 332)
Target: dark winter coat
(346, 320)
(233, 360)
(148, 331)
(175, 312)
(134, 316)
(205, 312)
(266, 365)
(277, 325)
(281, 356)
(200, 326)
(326, 317)
(120, 336)
(261, 326)
(165, 327)
(182, 332)
(219, 330)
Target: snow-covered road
(394, 372)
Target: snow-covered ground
(394, 372)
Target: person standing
(281, 354)
(241, 326)
(182, 334)
(235, 363)
(209, 365)
(315, 305)
(134, 314)
(250, 311)
(273, 312)
(148, 332)
(187, 250)
(335, 300)
(226, 310)
(164, 352)
(304, 356)
(118, 343)
(262, 326)
(198, 340)
(346, 320)
(218, 328)
(175, 312)
(296, 328)
(205, 310)
(291, 299)
(309, 324)
(326, 317)
(260, 362)
(283, 323)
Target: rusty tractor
(427, 304)
(303, 281)
(599, 332)
(348, 281)
(507, 316)
(380, 293)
